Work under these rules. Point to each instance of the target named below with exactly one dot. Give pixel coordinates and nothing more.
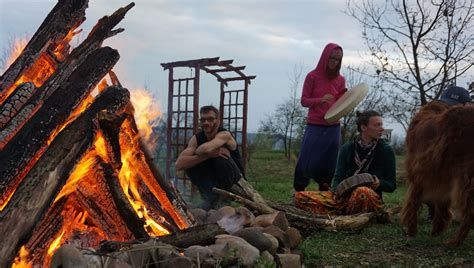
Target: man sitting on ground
(211, 158)
(368, 154)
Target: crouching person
(211, 158)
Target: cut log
(66, 16)
(36, 192)
(20, 153)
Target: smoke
(232, 224)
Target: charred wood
(65, 17)
(134, 223)
(15, 102)
(102, 30)
(35, 193)
(20, 153)
(93, 195)
(195, 235)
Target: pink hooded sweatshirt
(317, 84)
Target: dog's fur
(440, 167)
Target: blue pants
(318, 156)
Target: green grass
(377, 244)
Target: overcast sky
(269, 37)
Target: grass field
(376, 245)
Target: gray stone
(274, 247)
(179, 262)
(283, 239)
(288, 260)
(93, 259)
(255, 237)
(220, 213)
(294, 236)
(68, 256)
(140, 255)
(200, 215)
(198, 252)
(220, 250)
(247, 253)
(161, 251)
(111, 262)
(247, 215)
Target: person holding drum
(365, 168)
(322, 87)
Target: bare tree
(288, 119)
(375, 99)
(418, 47)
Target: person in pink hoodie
(321, 140)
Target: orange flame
(55, 244)
(74, 220)
(18, 45)
(136, 165)
(21, 261)
(146, 112)
(129, 184)
(59, 51)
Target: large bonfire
(75, 168)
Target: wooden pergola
(183, 104)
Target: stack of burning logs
(74, 169)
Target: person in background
(366, 153)
(211, 158)
(321, 139)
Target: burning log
(50, 37)
(28, 145)
(43, 182)
(15, 102)
(101, 31)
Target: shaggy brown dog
(440, 167)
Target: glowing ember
(81, 169)
(52, 248)
(22, 260)
(59, 51)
